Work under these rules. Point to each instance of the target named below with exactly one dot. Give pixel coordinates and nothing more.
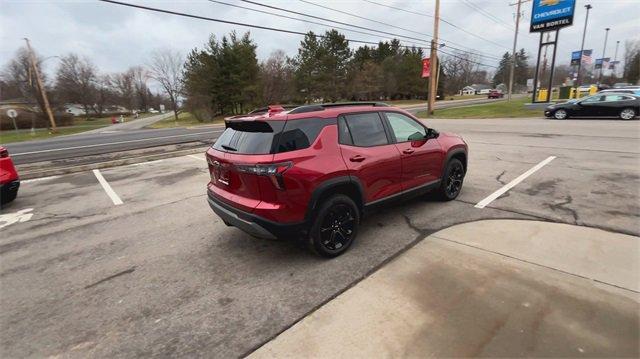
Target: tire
(335, 226)
(7, 196)
(627, 114)
(452, 180)
(561, 114)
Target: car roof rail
(324, 106)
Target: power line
(488, 14)
(342, 28)
(356, 26)
(291, 17)
(330, 20)
(293, 32)
(431, 16)
(363, 18)
(240, 23)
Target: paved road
(414, 109)
(130, 136)
(160, 275)
(59, 148)
(133, 124)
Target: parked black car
(623, 105)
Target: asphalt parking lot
(131, 261)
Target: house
(468, 90)
(476, 89)
(74, 109)
(481, 89)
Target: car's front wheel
(335, 226)
(560, 114)
(627, 114)
(451, 183)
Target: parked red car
(495, 94)
(313, 171)
(9, 180)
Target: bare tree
(461, 70)
(76, 81)
(276, 76)
(166, 68)
(142, 94)
(123, 84)
(19, 78)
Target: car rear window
(249, 137)
(300, 134)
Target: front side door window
(421, 157)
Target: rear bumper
(252, 224)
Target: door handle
(357, 158)
(408, 151)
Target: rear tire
(452, 180)
(335, 226)
(627, 114)
(7, 197)
(561, 114)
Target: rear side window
(249, 137)
(300, 134)
(366, 129)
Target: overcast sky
(116, 37)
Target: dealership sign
(548, 15)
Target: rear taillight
(273, 170)
(4, 153)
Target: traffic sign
(12, 113)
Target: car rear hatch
(241, 161)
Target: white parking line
(513, 183)
(112, 143)
(38, 179)
(107, 188)
(197, 157)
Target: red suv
(313, 171)
(9, 180)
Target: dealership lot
(130, 260)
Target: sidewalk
(490, 288)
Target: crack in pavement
(562, 206)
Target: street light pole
(584, 33)
(615, 60)
(433, 78)
(513, 54)
(43, 93)
(604, 52)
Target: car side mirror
(431, 133)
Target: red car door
(421, 156)
(369, 155)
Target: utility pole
(604, 52)
(615, 61)
(433, 78)
(43, 93)
(513, 54)
(584, 32)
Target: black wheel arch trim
(328, 185)
(453, 152)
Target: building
(476, 89)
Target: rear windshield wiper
(229, 148)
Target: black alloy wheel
(335, 226)
(452, 180)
